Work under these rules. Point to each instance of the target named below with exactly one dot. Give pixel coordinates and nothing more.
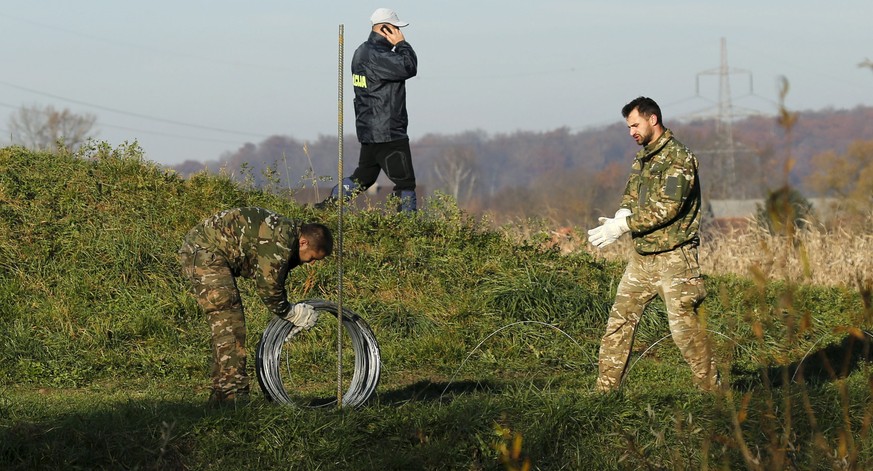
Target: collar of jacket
(377, 39)
(654, 147)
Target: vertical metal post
(339, 229)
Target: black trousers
(394, 158)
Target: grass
(488, 342)
(821, 255)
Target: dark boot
(408, 201)
(326, 203)
(349, 187)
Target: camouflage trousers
(215, 288)
(675, 277)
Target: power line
(725, 146)
(159, 133)
(126, 128)
(117, 43)
(129, 113)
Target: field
(488, 339)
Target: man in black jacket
(380, 68)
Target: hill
(488, 344)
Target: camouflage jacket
(257, 244)
(663, 192)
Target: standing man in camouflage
(661, 210)
(251, 243)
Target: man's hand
(392, 34)
(609, 231)
(302, 315)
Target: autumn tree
(44, 128)
(848, 176)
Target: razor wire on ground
(273, 366)
(492, 334)
(568, 336)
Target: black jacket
(379, 73)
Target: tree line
(571, 177)
(568, 177)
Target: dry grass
(823, 257)
(826, 258)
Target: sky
(196, 79)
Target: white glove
(302, 315)
(608, 232)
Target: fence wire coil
(273, 367)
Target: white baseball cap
(386, 15)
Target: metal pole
(339, 230)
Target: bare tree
(456, 169)
(46, 128)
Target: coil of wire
(270, 366)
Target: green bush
(784, 211)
